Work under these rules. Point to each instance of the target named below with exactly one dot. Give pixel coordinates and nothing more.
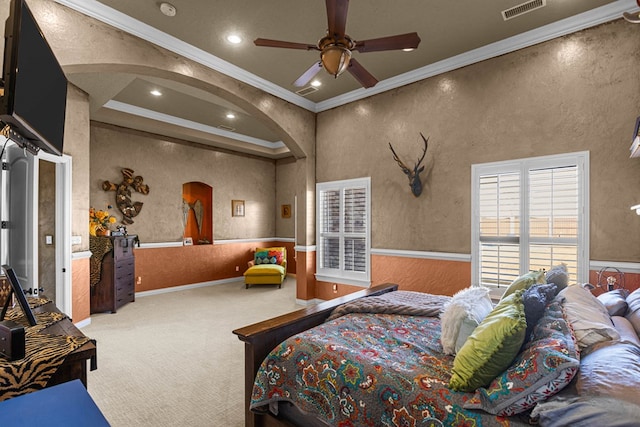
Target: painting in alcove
(197, 198)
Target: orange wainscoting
(434, 276)
(305, 275)
(159, 268)
(80, 290)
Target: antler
(404, 168)
(424, 152)
(414, 175)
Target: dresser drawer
(123, 273)
(122, 248)
(124, 290)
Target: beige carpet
(171, 359)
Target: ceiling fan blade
(364, 77)
(337, 17)
(283, 44)
(308, 75)
(401, 41)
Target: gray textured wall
(576, 93)
(286, 182)
(165, 166)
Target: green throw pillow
(492, 346)
(525, 282)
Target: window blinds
(549, 200)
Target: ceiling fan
(335, 48)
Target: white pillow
(588, 317)
(466, 309)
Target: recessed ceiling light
(231, 116)
(168, 9)
(155, 92)
(316, 83)
(234, 38)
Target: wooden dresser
(117, 278)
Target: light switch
(48, 240)
(76, 240)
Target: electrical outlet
(48, 239)
(139, 280)
(335, 288)
(237, 268)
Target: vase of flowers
(99, 222)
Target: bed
(376, 358)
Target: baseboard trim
(307, 302)
(81, 324)
(186, 287)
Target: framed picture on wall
(286, 211)
(237, 208)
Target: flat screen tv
(35, 88)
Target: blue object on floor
(63, 405)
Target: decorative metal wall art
(413, 175)
(128, 208)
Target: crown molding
(597, 16)
(591, 18)
(146, 32)
(188, 124)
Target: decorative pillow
(466, 309)
(625, 329)
(559, 276)
(491, 347)
(547, 364)
(535, 300)
(611, 370)
(525, 281)
(633, 312)
(587, 316)
(615, 301)
(269, 256)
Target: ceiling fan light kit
(336, 47)
(335, 59)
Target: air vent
(307, 90)
(523, 8)
(227, 128)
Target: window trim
(362, 279)
(579, 159)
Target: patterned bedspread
(368, 369)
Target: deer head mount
(414, 175)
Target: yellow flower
(99, 220)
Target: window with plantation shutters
(343, 248)
(530, 214)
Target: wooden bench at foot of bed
(260, 338)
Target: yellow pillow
(492, 346)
